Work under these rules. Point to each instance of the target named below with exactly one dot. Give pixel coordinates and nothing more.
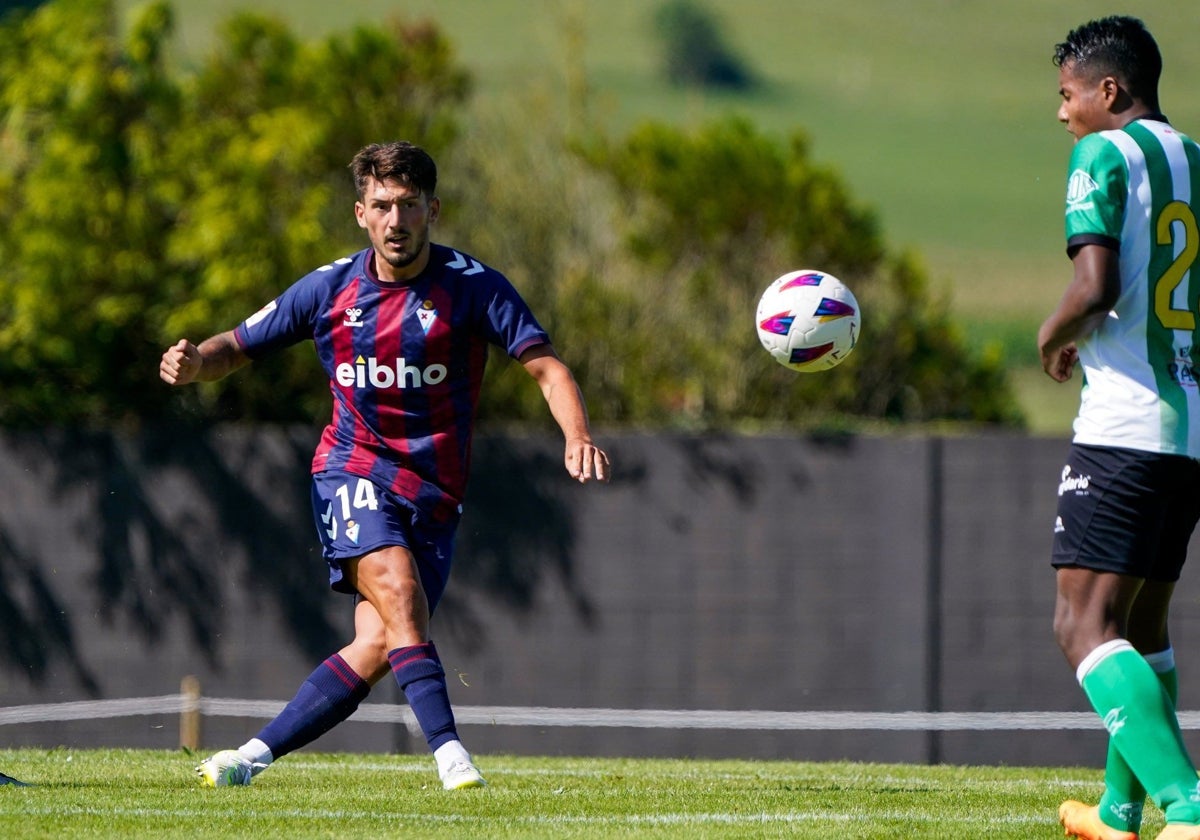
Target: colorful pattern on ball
(808, 320)
(804, 279)
(779, 324)
(804, 355)
(830, 309)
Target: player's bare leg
(389, 580)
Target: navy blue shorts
(355, 516)
(1126, 511)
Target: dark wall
(851, 573)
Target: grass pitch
(147, 794)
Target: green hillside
(940, 115)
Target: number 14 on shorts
(363, 498)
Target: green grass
(146, 794)
(940, 115)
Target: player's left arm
(584, 460)
(1091, 295)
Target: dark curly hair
(399, 161)
(1117, 46)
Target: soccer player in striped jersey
(402, 329)
(1129, 494)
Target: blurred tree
(7, 6)
(722, 211)
(83, 124)
(138, 205)
(695, 52)
(645, 257)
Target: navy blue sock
(330, 695)
(423, 681)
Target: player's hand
(180, 363)
(586, 462)
(1061, 363)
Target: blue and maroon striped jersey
(405, 365)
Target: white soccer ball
(808, 320)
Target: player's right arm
(1097, 189)
(215, 357)
(281, 323)
(1085, 305)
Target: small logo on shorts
(1058, 525)
(1078, 484)
(352, 531)
(327, 519)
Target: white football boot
(227, 768)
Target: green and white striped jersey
(1138, 189)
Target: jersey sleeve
(287, 320)
(508, 321)
(1097, 188)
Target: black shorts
(1126, 511)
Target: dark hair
(399, 161)
(1116, 46)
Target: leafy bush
(645, 257)
(140, 204)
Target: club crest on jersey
(427, 314)
(352, 317)
(1079, 186)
